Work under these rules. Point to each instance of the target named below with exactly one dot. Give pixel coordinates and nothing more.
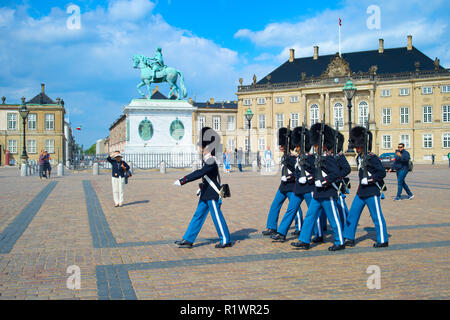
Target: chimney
(380, 45)
(211, 101)
(316, 52)
(409, 47)
(43, 87)
(436, 64)
(291, 55)
(190, 100)
(3, 99)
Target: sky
(86, 59)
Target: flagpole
(339, 37)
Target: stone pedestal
(60, 169)
(23, 170)
(162, 167)
(95, 169)
(255, 166)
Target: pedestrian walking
(448, 156)
(119, 171)
(240, 154)
(47, 166)
(432, 158)
(41, 165)
(268, 158)
(401, 166)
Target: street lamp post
(248, 116)
(349, 92)
(24, 114)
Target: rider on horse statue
(157, 64)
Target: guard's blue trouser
(373, 203)
(330, 207)
(199, 218)
(294, 210)
(274, 211)
(321, 225)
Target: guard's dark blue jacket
(344, 166)
(117, 170)
(289, 185)
(331, 169)
(377, 174)
(211, 170)
(307, 187)
(401, 163)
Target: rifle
(318, 160)
(365, 155)
(336, 156)
(286, 150)
(302, 157)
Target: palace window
(446, 113)
(261, 144)
(245, 123)
(294, 120)
(201, 122)
(261, 100)
(12, 146)
(363, 113)
(404, 91)
(49, 121)
(338, 115)
(387, 141)
(279, 100)
(12, 121)
(314, 113)
(445, 89)
(280, 120)
(231, 123)
(386, 112)
(427, 90)
(427, 140)
(245, 144)
(294, 99)
(404, 115)
(230, 144)
(404, 138)
(446, 140)
(427, 114)
(31, 146)
(50, 145)
(386, 92)
(262, 121)
(216, 122)
(247, 102)
(32, 121)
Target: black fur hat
(282, 133)
(328, 136)
(340, 142)
(209, 139)
(296, 136)
(357, 138)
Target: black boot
(301, 245)
(278, 237)
(269, 232)
(349, 243)
(336, 247)
(219, 245)
(381, 245)
(295, 233)
(318, 240)
(184, 244)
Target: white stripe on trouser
(343, 209)
(299, 220)
(118, 186)
(380, 223)
(338, 223)
(218, 221)
(319, 227)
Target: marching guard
(371, 174)
(324, 195)
(210, 193)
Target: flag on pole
(339, 37)
(339, 22)
(78, 128)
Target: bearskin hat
(357, 138)
(296, 138)
(340, 142)
(328, 135)
(282, 135)
(209, 139)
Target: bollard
(60, 169)
(68, 164)
(23, 170)
(162, 167)
(255, 166)
(95, 169)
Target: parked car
(387, 159)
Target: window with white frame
(446, 140)
(294, 120)
(279, 100)
(387, 141)
(12, 121)
(230, 144)
(216, 122)
(427, 90)
(261, 100)
(49, 121)
(445, 113)
(445, 89)
(50, 145)
(404, 138)
(314, 114)
(294, 99)
(404, 115)
(201, 122)
(279, 120)
(262, 121)
(427, 114)
(338, 115)
(262, 144)
(386, 92)
(427, 140)
(31, 146)
(12, 146)
(404, 91)
(231, 123)
(386, 115)
(32, 121)
(363, 113)
(247, 102)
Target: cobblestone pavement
(128, 252)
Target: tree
(92, 150)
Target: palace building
(45, 129)
(404, 94)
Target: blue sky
(213, 43)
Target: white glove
(283, 178)
(302, 180)
(318, 184)
(177, 183)
(198, 192)
(364, 181)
